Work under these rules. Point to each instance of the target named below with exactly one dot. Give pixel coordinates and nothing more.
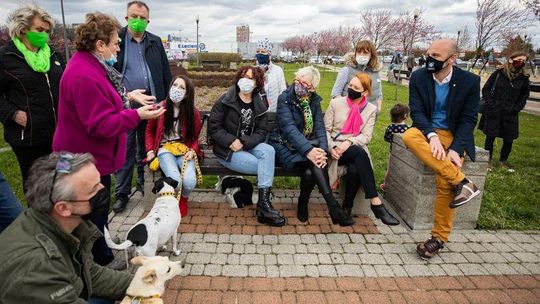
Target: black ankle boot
(337, 214)
(302, 212)
(381, 213)
(266, 214)
(348, 211)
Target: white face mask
(246, 85)
(176, 95)
(362, 59)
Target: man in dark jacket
(444, 104)
(46, 253)
(144, 66)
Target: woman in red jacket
(173, 138)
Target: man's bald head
(448, 46)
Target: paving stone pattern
(232, 259)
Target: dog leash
(182, 172)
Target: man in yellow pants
(444, 104)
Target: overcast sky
(275, 19)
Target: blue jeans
(171, 165)
(98, 300)
(10, 207)
(259, 160)
(135, 152)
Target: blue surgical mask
(111, 61)
(263, 58)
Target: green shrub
(224, 58)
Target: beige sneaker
(463, 193)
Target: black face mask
(352, 94)
(96, 202)
(433, 65)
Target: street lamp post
(197, 20)
(416, 13)
(65, 30)
(457, 41)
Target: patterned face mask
(176, 95)
(300, 90)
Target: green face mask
(137, 25)
(37, 39)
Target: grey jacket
(347, 73)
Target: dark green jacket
(40, 263)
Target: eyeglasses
(63, 165)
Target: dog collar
(167, 194)
(141, 300)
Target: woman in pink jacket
(94, 114)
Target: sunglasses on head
(63, 165)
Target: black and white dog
(158, 227)
(237, 190)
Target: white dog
(148, 284)
(159, 226)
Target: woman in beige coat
(349, 123)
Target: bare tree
(465, 39)
(379, 26)
(533, 5)
(413, 29)
(495, 19)
(352, 34)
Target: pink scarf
(354, 120)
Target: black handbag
(482, 103)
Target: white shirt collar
(446, 79)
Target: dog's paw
(164, 247)
(176, 252)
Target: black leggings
(359, 173)
(26, 157)
(311, 175)
(505, 150)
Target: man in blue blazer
(444, 105)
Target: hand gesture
(140, 98)
(150, 112)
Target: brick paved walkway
(233, 259)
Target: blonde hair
(311, 74)
(21, 19)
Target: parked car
(387, 59)
(315, 60)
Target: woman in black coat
(238, 127)
(30, 73)
(505, 94)
(299, 138)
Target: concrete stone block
(410, 188)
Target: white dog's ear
(150, 276)
(138, 260)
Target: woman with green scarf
(30, 73)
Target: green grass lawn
(511, 200)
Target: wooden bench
(401, 74)
(211, 64)
(535, 87)
(211, 166)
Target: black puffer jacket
(225, 120)
(22, 88)
(501, 111)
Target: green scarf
(308, 116)
(39, 61)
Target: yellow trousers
(447, 175)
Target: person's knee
(411, 135)
(266, 149)
(189, 183)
